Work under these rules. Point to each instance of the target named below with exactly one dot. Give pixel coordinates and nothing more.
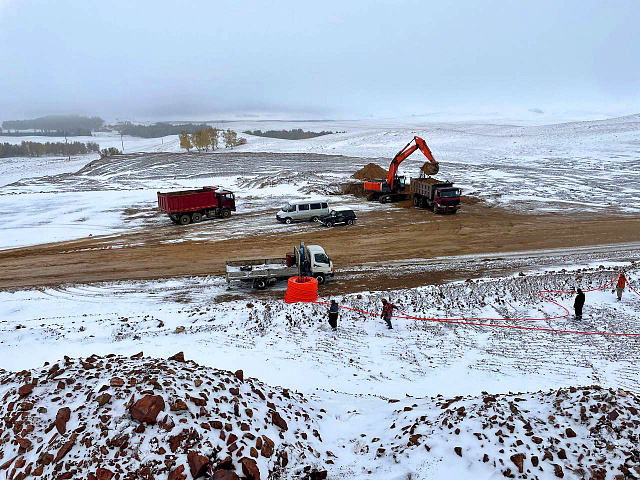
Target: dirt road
(380, 236)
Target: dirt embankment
(380, 236)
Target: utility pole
(67, 144)
(122, 142)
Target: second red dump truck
(440, 196)
(189, 206)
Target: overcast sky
(197, 59)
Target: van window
(289, 208)
(316, 206)
(304, 206)
(325, 205)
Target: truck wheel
(287, 221)
(435, 208)
(320, 278)
(174, 219)
(314, 218)
(416, 201)
(350, 222)
(196, 217)
(226, 213)
(329, 224)
(259, 284)
(185, 219)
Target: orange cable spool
(301, 289)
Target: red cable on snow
(467, 320)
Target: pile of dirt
(355, 189)
(590, 432)
(428, 180)
(147, 418)
(370, 172)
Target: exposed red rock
(147, 408)
(250, 468)
(197, 463)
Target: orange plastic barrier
(301, 289)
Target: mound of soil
(427, 180)
(370, 172)
(588, 431)
(147, 418)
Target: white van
(303, 211)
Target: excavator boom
(418, 143)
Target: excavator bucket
(430, 168)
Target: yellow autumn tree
(185, 141)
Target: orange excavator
(392, 189)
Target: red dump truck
(189, 206)
(439, 196)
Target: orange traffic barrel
(301, 289)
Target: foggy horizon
(151, 61)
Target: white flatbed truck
(306, 260)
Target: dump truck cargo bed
(188, 200)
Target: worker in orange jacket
(622, 282)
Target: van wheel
(259, 284)
(350, 222)
(196, 217)
(287, 221)
(226, 213)
(185, 219)
(314, 218)
(320, 278)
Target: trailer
(189, 206)
(306, 260)
(436, 195)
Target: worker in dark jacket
(578, 304)
(333, 315)
(387, 312)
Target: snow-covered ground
(582, 167)
(231, 327)
(355, 372)
(392, 399)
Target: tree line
(71, 124)
(36, 149)
(157, 129)
(209, 138)
(293, 134)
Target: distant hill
(72, 124)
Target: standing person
(387, 312)
(333, 315)
(622, 282)
(578, 304)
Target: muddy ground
(379, 239)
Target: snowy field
(572, 167)
(355, 373)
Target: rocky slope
(135, 417)
(586, 432)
